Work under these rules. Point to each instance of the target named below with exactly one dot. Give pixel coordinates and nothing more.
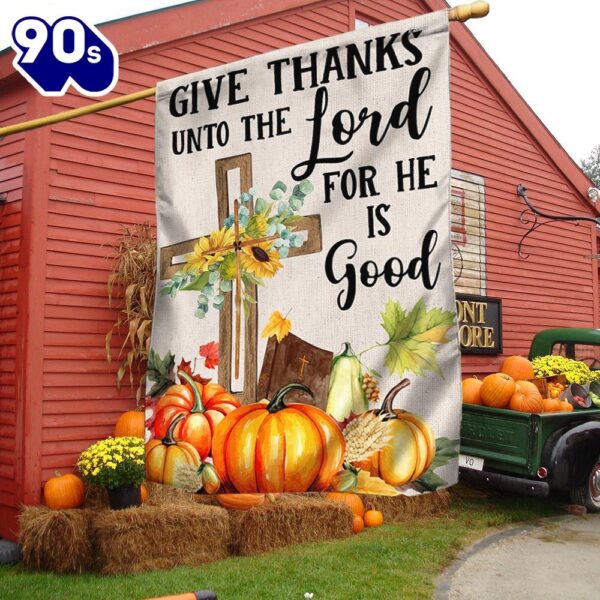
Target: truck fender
(570, 453)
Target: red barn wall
(13, 108)
(101, 177)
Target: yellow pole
(460, 13)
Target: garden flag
(304, 331)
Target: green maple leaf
(414, 337)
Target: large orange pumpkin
(164, 457)
(274, 447)
(526, 399)
(518, 367)
(130, 423)
(471, 390)
(203, 407)
(497, 390)
(63, 491)
(353, 501)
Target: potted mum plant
(118, 465)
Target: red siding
(12, 109)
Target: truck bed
(512, 442)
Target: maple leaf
(414, 337)
(277, 325)
(185, 366)
(210, 352)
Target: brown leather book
(295, 361)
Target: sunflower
(257, 226)
(260, 259)
(228, 267)
(202, 257)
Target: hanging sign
(305, 280)
(479, 324)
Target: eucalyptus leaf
(276, 194)
(218, 299)
(200, 314)
(306, 187)
(226, 285)
(279, 185)
(214, 276)
(198, 283)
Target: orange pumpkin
(527, 387)
(243, 501)
(497, 390)
(357, 524)
(203, 407)
(411, 448)
(373, 518)
(353, 501)
(274, 447)
(143, 493)
(565, 406)
(518, 367)
(551, 404)
(471, 390)
(64, 491)
(164, 457)
(526, 399)
(130, 423)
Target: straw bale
(159, 537)
(400, 508)
(291, 519)
(56, 540)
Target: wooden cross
(311, 224)
(303, 362)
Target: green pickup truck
(538, 453)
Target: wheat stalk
(187, 478)
(364, 436)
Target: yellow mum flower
(96, 471)
(260, 259)
(208, 250)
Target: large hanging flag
(304, 329)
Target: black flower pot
(124, 496)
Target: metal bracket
(529, 216)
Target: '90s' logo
(68, 52)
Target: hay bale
(396, 509)
(290, 520)
(159, 494)
(159, 537)
(56, 540)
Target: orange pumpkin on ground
(526, 398)
(164, 457)
(274, 447)
(357, 524)
(351, 500)
(64, 491)
(518, 367)
(143, 493)
(203, 407)
(373, 518)
(497, 390)
(243, 501)
(565, 406)
(130, 423)
(471, 390)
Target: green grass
(395, 561)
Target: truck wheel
(588, 494)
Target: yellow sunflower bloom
(208, 250)
(260, 259)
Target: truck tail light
(542, 472)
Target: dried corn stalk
(364, 436)
(132, 280)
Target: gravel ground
(555, 560)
